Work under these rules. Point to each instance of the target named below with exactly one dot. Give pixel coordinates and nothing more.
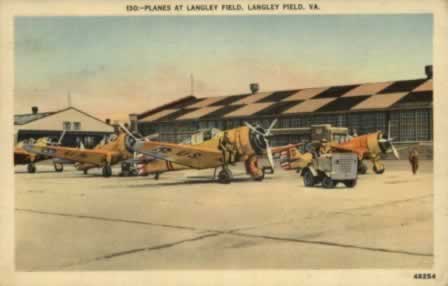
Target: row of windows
(75, 126)
(412, 125)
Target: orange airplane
(367, 147)
(243, 144)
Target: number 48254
(424, 276)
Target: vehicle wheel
(362, 168)
(328, 183)
(58, 167)
(107, 171)
(224, 177)
(85, 171)
(31, 168)
(308, 179)
(378, 171)
(156, 176)
(350, 183)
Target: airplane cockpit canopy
(201, 136)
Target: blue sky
(113, 66)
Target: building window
(407, 125)
(66, 125)
(76, 125)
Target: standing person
(413, 160)
(324, 147)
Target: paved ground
(68, 221)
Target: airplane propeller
(387, 143)
(265, 134)
(132, 139)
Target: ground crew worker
(228, 149)
(413, 160)
(325, 147)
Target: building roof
(22, 119)
(343, 98)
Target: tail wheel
(31, 168)
(328, 183)
(58, 167)
(107, 171)
(308, 179)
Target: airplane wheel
(308, 179)
(107, 171)
(328, 183)
(362, 168)
(224, 177)
(268, 170)
(86, 171)
(261, 177)
(350, 183)
(378, 171)
(156, 176)
(31, 168)
(58, 167)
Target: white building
(79, 126)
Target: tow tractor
(331, 169)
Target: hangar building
(403, 107)
(79, 126)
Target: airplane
(24, 157)
(367, 147)
(116, 150)
(243, 144)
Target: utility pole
(191, 84)
(69, 99)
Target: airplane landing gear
(127, 169)
(260, 177)
(156, 176)
(225, 175)
(86, 171)
(58, 167)
(362, 168)
(107, 171)
(31, 168)
(378, 168)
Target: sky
(113, 66)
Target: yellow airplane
(243, 144)
(23, 157)
(103, 156)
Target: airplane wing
(95, 157)
(360, 151)
(280, 149)
(186, 155)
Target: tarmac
(74, 222)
